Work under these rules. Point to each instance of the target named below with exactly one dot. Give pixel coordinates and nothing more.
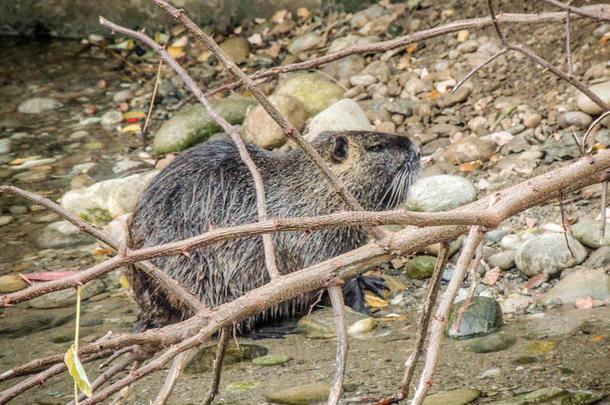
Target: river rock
(37, 105)
(440, 193)
(599, 258)
(421, 267)
(468, 149)
(5, 146)
(14, 326)
(602, 90)
(504, 260)
(67, 298)
(343, 115)
(577, 119)
(12, 282)
(532, 120)
(321, 324)
(315, 92)
(122, 95)
(587, 233)
(453, 97)
(62, 234)
(378, 69)
(271, 360)
(460, 396)
(237, 48)
(301, 395)
(194, 125)
(515, 303)
(552, 395)
(548, 253)
(6, 219)
(107, 199)
(111, 117)
(259, 128)
(203, 360)
(580, 284)
(117, 230)
(483, 316)
(492, 343)
(304, 42)
(345, 67)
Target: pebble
(553, 395)
(321, 324)
(577, 119)
(532, 120)
(193, 125)
(515, 303)
(468, 149)
(67, 298)
(421, 267)
(386, 126)
(313, 90)
(345, 114)
(483, 316)
(505, 260)
(259, 128)
(599, 258)
(62, 234)
(492, 343)
(378, 69)
(202, 361)
(495, 235)
(111, 117)
(18, 209)
(548, 253)
(38, 105)
(301, 395)
(242, 386)
(79, 135)
(271, 360)
(460, 396)
(108, 199)
(122, 96)
(5, 146)
(345, 68)
(237, 48)
(440, 193)
(602, 90)
(304, 42)
(587, 232)
(12, 282)
(454, 97)
(478, 125)
(468, 46)
(412, 87)
(5, 220)
(580, 284)
(402, 107)
(362, 80)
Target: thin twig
(422, 328)
(565, 222)
(527, 52)
(473, 285)
(476, 69)
(568, 50)
(225, 335)
(261, 201)
(586, 13)
(602, 214)
(172, 378)
(152, 99)
(440, 318)
(592, 126)
(336, 298)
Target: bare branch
(440, 318)
(476, 69)
(225, 335)
(602, 215)
(568, 50)
(172, 378)
(473, 285)
(592, 126)
(336, 298)
(602, 15)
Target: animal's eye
(376, 148)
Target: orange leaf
(434, 94)
(176, 52)
(404, 63)
(470, 167)
(303, 12)
(412, 48)
(274, 50)
(597, 338)
(493, 275)
(280, 15)
(584, 303)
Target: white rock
(440, 193)
(548, 253)
(116, 196)
(345, 114)
(602, 90)
(37, 105)
(580, 284)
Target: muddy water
(580, 359)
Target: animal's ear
(341, 149)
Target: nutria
(209, 185)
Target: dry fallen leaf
(280, 16)
(470, 167)
(302, 12)
(176, 52)
(404, 63)
(411, 49)
(492, 276)
(584, 303)
(274, 50)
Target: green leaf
(76, 370)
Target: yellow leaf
(131, 128)
(76, 370)
(374, 301)
(412, 48)
(176, 52)
(597, 338)
(462, 35)
(124, 283)
(434, 94)
(134, 114)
